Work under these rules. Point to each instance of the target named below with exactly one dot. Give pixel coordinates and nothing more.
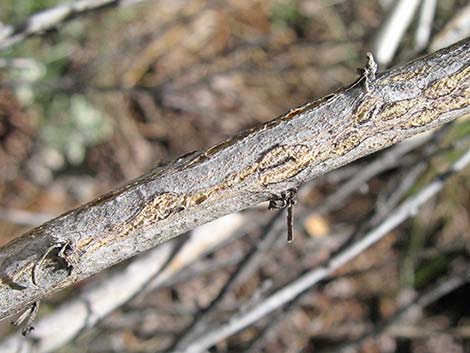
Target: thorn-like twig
(368, 72)
(28, 317)
(286, 199)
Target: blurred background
(104, 95)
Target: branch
(308, 280)
(249, 168)
(48, 19)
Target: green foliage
(287, 13)
(34, 81)
(68, 123)
(461, 129)
(16, 11)
(430, 269)
(72, 124)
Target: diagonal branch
(46, 20)
(251, 167)
(439, 290)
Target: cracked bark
(254, 166)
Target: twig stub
(287, 199)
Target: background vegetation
(107, 96)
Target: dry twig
(48, 19)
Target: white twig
(50, 18)
(401, 316)
(393, 29)
(24, 217)
(203, 239)
(423, 30)
(383, 208)
(406, 210)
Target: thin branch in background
(456, 29)
(391, 33)
(250, 263)
(387, 202)
(198, 245)
(441, 289)
(407, 209)
(23, 217)
(424, 27)
(202, 268)
(406, 182)
(269, 329)
(46, 20)
(342, 174)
